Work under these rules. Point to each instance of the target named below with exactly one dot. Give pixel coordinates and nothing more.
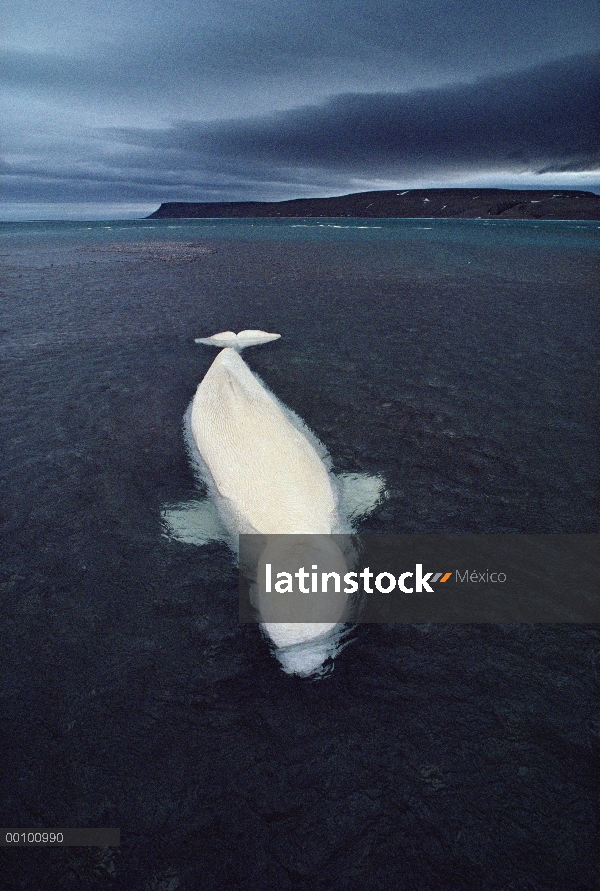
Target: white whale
(271, 475)
(266, 474)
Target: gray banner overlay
(420, 578)
(61, 838)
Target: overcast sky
(110, 107)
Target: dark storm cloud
(107, 100)
(152, 49)
(544, 119)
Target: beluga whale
(267, 474)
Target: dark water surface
(458, 359)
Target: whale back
(267, 470)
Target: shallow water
(457, 359)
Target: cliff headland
(507, 204)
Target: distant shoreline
(507, 204)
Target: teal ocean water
(457, 360)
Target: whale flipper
(198, 521)
(195, 522)
(360, 494)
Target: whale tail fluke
(238, 341)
